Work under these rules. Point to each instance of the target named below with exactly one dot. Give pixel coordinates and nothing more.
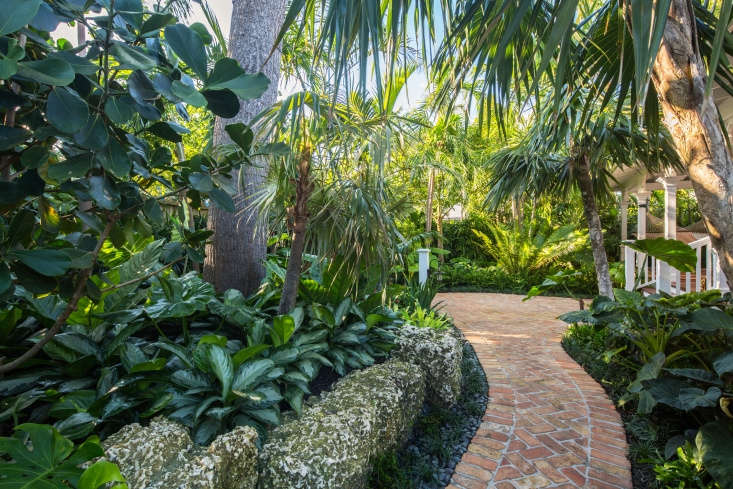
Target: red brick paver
(547, 423)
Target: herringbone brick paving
(547, 423)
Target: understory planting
(666, 363)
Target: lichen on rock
(162, 456)
(332, 444)
(439, 353)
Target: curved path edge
(548, 424)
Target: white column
(667, 274)
(670, 209)
(642, 197)
(423, 255)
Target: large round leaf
(222, 102)
(119, 109)
(45, 19)
(188, 94)
(51, 71)
(132, 58)
(50, 263)
(66, 110)
(188, 46)
(228, 74)
(15, 14)
(93, 135)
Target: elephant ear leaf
(714, 443)
(675, 253)
(40, 453)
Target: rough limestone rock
(440, 354)
(162, 456)
(143, 452)
(332, 444)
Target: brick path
(547, 423)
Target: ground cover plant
(665, 362)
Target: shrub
(678, 353)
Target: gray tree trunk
(236, 252)
(679, 75)
(595, 232)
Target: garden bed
(647, 435)
(439, 438)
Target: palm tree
(330, 185)
(442, 150)
(660, 53)
(544, 162)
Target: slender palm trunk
(679, 76)
(582, 176)
(236, 252)
(303, 190)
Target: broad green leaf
(132, 58)
(154, 23)
(103, 193)
(50, 71)
(249, 373)
(649, 371)
(676, 253)
(282, 329)
(65, 110)
(228, 74)
(114, 159)
(222, 199)
(45, 19)
(16, 14)
(188, 46)
(48, 461)
(5, 280)
(50, 263)
(12, 136)
(168, 131)
(246, 353)
(100, 474)
(706, 319)
(241, 134)
(119, 110)
(222, 102)
(221, 364)
(294, 396)
(188, 94)
(93, 134)
(201, 182)
(714, 443)
(724, 364)
(74, 167)
(269, 416)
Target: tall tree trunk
(236, 252)
(679, 76)
(429, 203)
(582, 175)
(303, 190)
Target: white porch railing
(642, 274)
